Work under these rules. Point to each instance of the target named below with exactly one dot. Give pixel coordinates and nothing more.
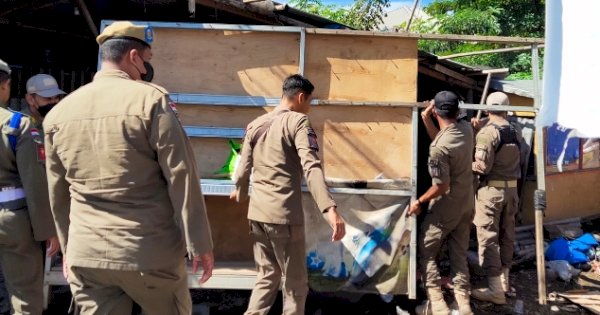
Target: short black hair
(447, 113)
(4, 76)
(295, 84)
(114, 49)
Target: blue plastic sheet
(575, 251)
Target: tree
(363, 14)
(484, 17)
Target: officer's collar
(114, 73)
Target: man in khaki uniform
(280, 146)
(450, 212)
(124, 187)
(42, 95)
(25, 217)
(497, 162)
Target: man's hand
(52, 246)
(426, 113)
(233, 195)
(208, 262)
(415, 208)
(337, 224)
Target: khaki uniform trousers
(112, 292)
(22, 262)
(454, 225)
(279, 251)
(495, 211)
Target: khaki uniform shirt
(286, 151)
(25, 169)
(502, 165)
(450, 157)
(123, 178)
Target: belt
(11, 193)
(12, 198)
(502, 183)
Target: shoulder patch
(35, 134)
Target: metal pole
(540, 194)
(412, 267)
(412, 13)
(301, 59)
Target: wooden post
(487, 85)
(540, 194)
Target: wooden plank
(488, 51)
(441, 37)
(361, 68)
(224, 62)
(229, 226)
(219, 116)
(453, 74)
(442, 77)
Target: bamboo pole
(412, 13)
(540, 194)
(489, 51)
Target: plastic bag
(228, 169)
(564, 269)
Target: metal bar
(226, 100)
(223, 187)
(442, 37)
(239, 100)
(214, 132)
(412, 14)
(412, 268)
(499, 108)
(222, 27)
(302, 51)
(488, 51)
(541, 180)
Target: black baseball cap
(446, 100)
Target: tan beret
(126, 30)
(4, 67)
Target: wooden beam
(454, 74)
(443, 77)
(441, 37)
(88, 17)
(237, 9)
(248, 11)
(489, 51)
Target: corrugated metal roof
(519, 87)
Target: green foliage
(363, 14)
(484, 17)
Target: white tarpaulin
(571, 67)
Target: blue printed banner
(372, 257)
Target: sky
(394, 3)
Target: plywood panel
(362, 142)
(219, 116)
(572, 194)
(362, 68)
(211, 154)
(224, 62)
(357, 142)
(229, 224)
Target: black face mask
(149, 72)
(44, 110)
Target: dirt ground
(524, 280)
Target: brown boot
(436, 304)
(493, 293)
(462, 303)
